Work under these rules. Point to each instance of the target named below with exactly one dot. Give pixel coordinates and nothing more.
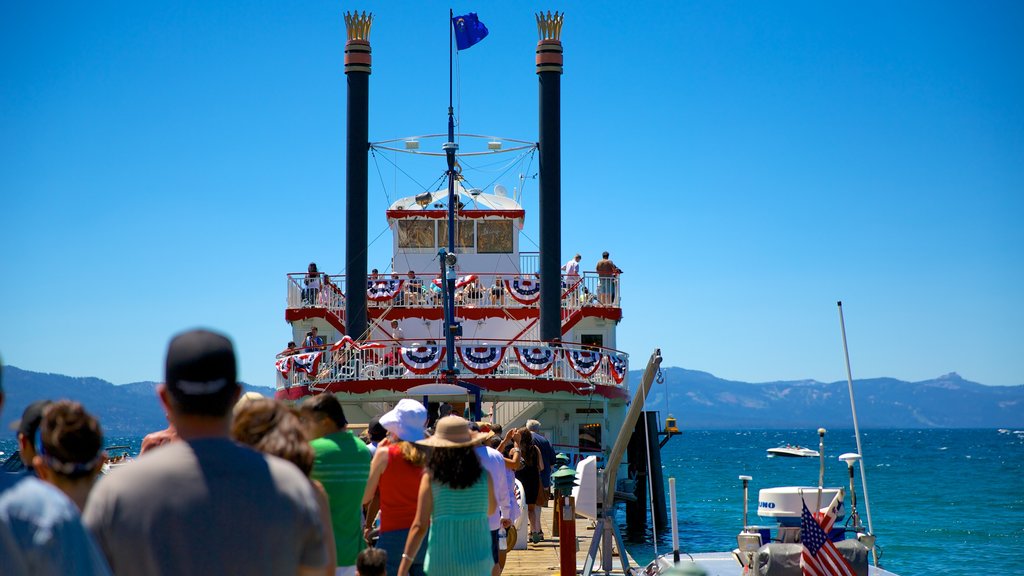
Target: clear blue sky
(164, 164)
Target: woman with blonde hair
(397, 469)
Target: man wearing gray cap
(40, 529)
(204, 504)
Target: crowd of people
(242, 484)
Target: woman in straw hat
(455, 498)
(397, 469)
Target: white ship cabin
(570, 382)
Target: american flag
(820, 556)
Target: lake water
(947, 502)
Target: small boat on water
(792, 451)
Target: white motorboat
(792, 451)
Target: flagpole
(448, 258)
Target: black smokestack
(549, 73)
(357, 73)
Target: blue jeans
(393, 542)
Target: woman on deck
(455, 498)
(397, 469)
(529, 475)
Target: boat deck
(542, 558)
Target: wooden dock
(542, 558)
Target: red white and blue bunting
(422, 359)
(308, 363)
(536, 359)
(383, 290)
(584, 362)
(347, 341)
(481, 359)
(459, 282)
(523, 290)
(284, 366)
(617, 365)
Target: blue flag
(468, 30)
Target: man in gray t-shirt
(206, 505)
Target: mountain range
(698, 400)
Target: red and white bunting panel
(536, 359)
(481, 359)
(523, 290)
(284, 366)
(422, 359)
(617, 366)
(346, 340)
(585, 362)
(383, 290)
(459, 282)
(308, 363)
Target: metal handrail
(379, 360)
(587, 289)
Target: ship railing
(583, 366)
(514, 291)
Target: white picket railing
(588, 289)
(379, 361)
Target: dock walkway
(541, 559)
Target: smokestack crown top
(358, 25)
(550, 25)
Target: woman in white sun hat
(397, 469)
(455, 498)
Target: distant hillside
(128, 410)
(697, 399)
(701, 400)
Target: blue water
(945, 502)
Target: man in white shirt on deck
(572, 269)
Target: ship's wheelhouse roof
(474, 205)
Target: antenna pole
(448, 258)
(856, 428)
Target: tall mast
(357, 74)
(448, 258)
(549, 74)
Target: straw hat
(454, 432)
(406, 420)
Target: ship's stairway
(513, 413)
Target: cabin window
(590, 437)
(494, 237)
(592, 341)
(463, 240)
(416, 234)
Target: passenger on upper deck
(608, 272)
(413, 290)
(330, 295)
(498, 292)
(312, 341)
(312, 285)
(572, 269)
